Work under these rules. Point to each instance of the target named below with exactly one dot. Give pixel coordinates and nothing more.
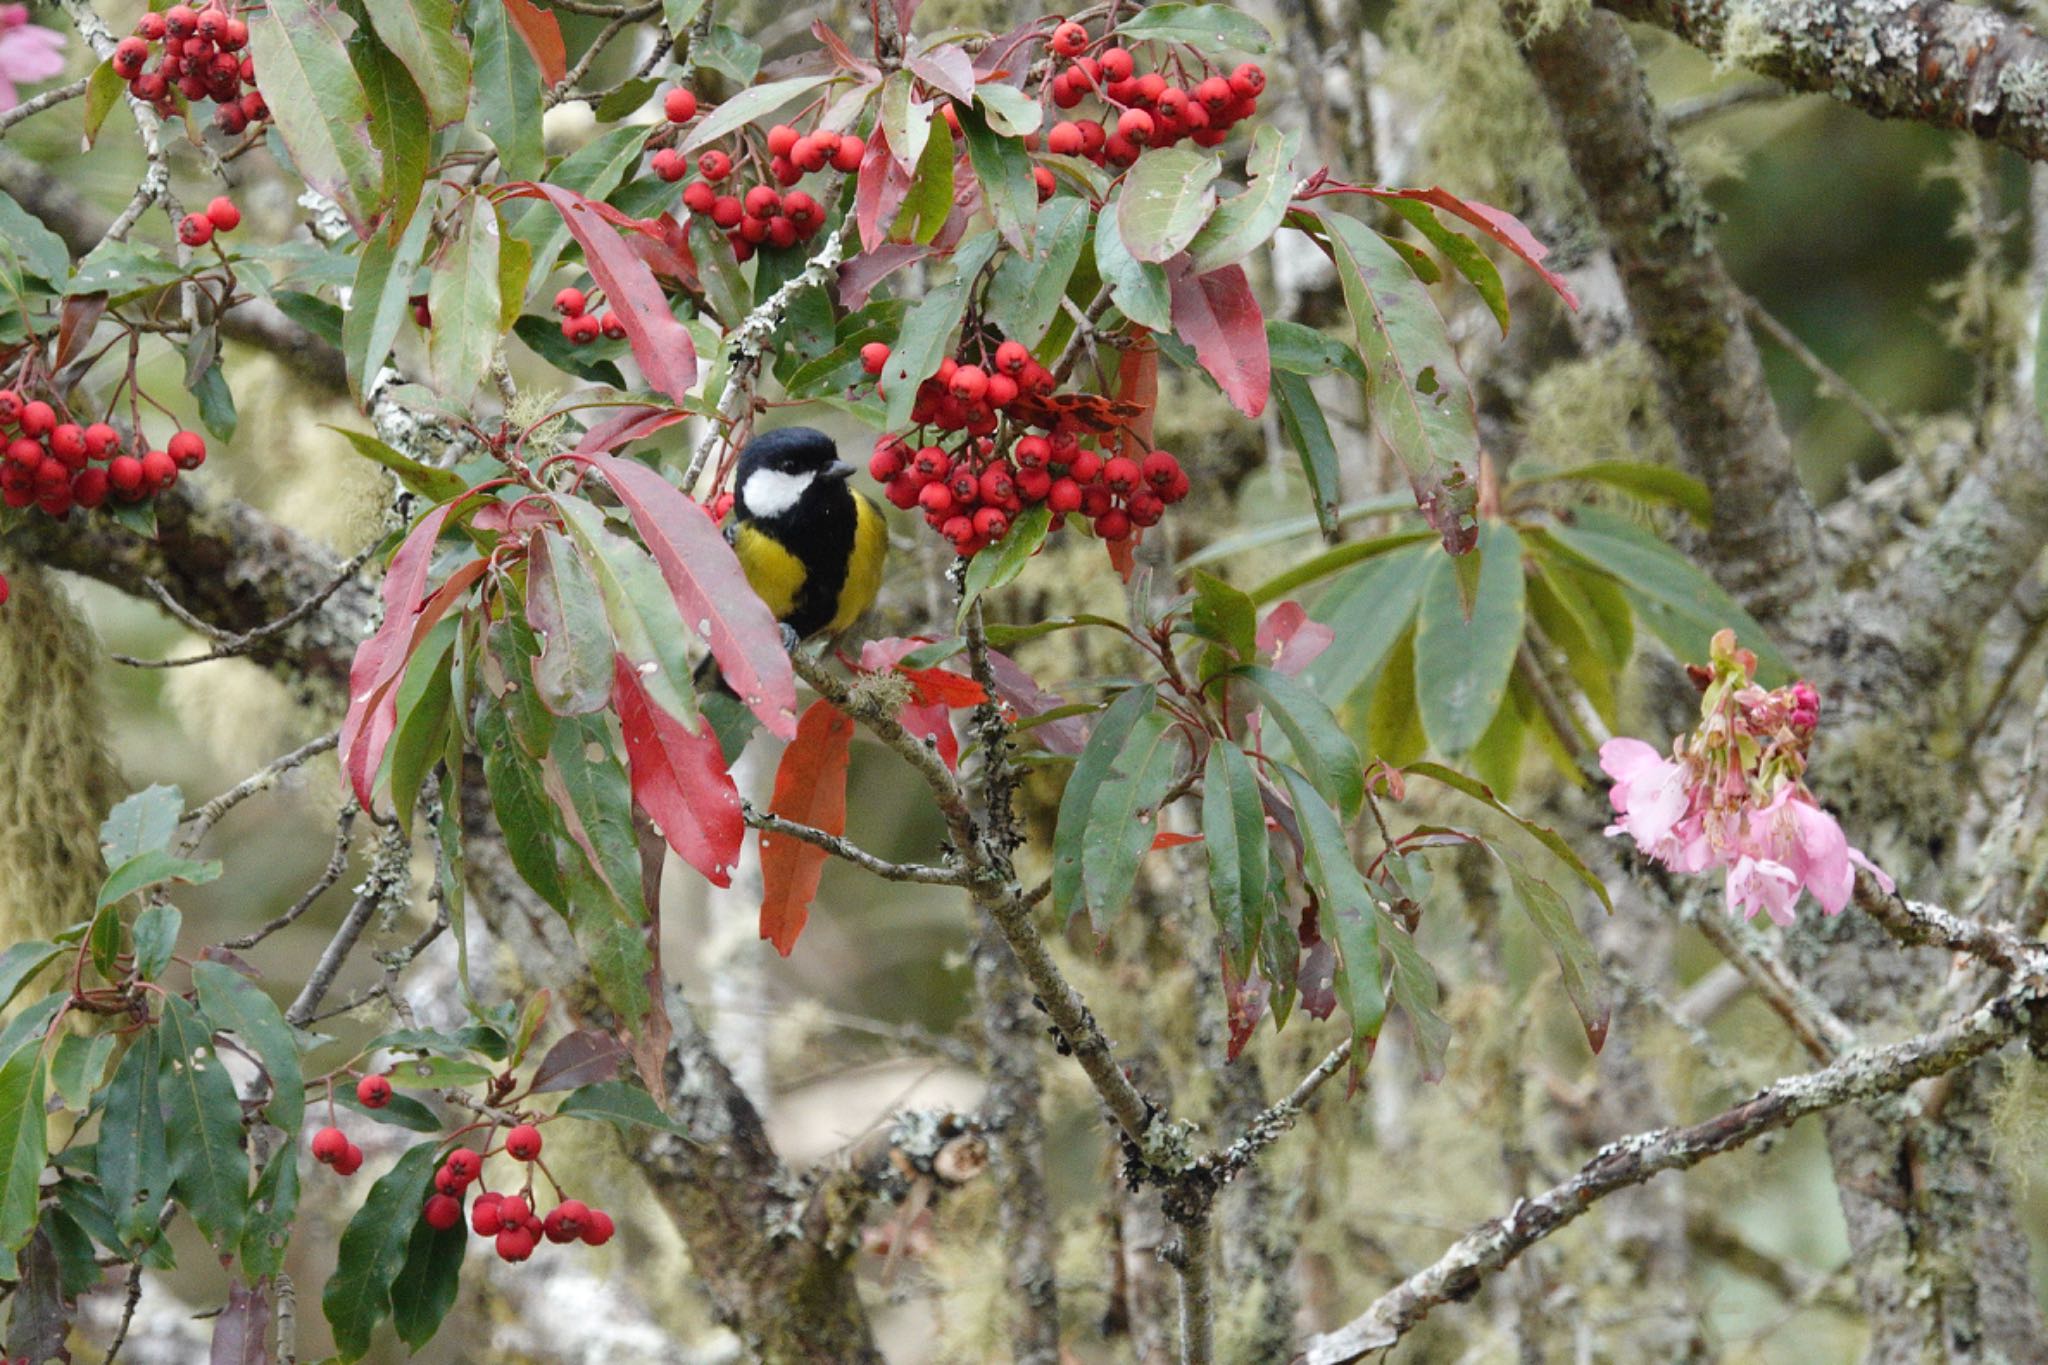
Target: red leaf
(879, 193)
(946, 67)
(543, 38)
(710, 589)
(1291, 640)
(1217, 314)
(859, 276)
(1137, 386)
(661, 345)
(942, 687)
(842, 54)
(1167, 838)
(1246, 1001)
(810, 788)
(1123, 554)
(629, 424)
(1498, 224)
(933, 723)
(679, 776)
(1067, 735)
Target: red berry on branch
(188, 448)
(37, 419)
(150, 27)
(1117, 64)
(67, 443)
(565, 1222)
(763, 202)
(1248, 81)
(195, 229)
(10, 407)
(131, 55)
(811, 153)
(571, 302)
(372, 1092)
(1064, 139)
(698, 197)
(1146, 509)
(803, 210)
(444, 1212)
(874, 357)
(422, 312)
(1135, 126)
(253, 106)
(727, 212)
(781, 138)
(670, 165)
(714, 165)
(181, 21)
(4, 590)
(523, 1142)
(612, 327)
(1065, 93)
(968, 383)
(935, 498)
(234, 36)
(753, 231)
(446, 1183)
(1084, 465)
(89, 487)
(1033, 485)
(464, 1164)
(781, 231)
(1115, 524)
(597, 1228)
(484, 1219)
(847, 158)
(159, 470)
(100, 441)
(783, 171)
(680, 105)
(515, 1245)
(581, 330)
(230, 119)
(1070, 39)
(329, 1146)
(124, 472)
(901, 491)
(1042, 178)
(1151, 86)
(513, 1210)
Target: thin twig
(337, 863)
(1832, 384)
(228, 646)
(848, 851)
(127, 1312)
(203, 820)
(48, 99)
(1686, 112)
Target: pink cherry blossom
(1650, 794)
(28, 52)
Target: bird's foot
(790, 640)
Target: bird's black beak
(839, 469)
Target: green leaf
(1680, 604)
(1462, 666)
(78, 1067)
(646, 626)
(1137, 288)
(423, 35)
(1393, 721)
(28, 239)
(1562, 625)
(463, 297)
(595, 798)
(905, 121)
(1225, 615)
(134, 1166)
(123, 270)
(1124, 817)
(427, 1282)
(729, 52)
(1167, 197)
(273, 1211)
(929, 201)
(156, 937)
(1330, 561)
(1308, 431)
(1346, 913)
(1234, 835)
(1093, 769)
(24, 1140)
(436, 485)
(593, 170)
(381, 299)
(216, 402)
(1212, 28)
(317, 100)
(424, 705)
(1653, 483)
(203, 1127)
(1420, 401)
(148, 869)
(677, 16)
(398, 120)
(1246, 222)
(1325, 753)
(1368, 610)
(624, 1106)
(506, 97)
(613, 937)
(238, 1005)
(1024, 297)
(928, 331)
(755, 102)
(1415, 993)
(563, 605)
(400, 1111)
(1010, 111)
(373, 1251)
(1000, 563)
(1462, 252)
(525, 814)
(20, 963)
(1305, 351)
(102, 93)
(1543, 834)
(1575, 958)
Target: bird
(812, 546)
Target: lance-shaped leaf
(508, 101)
(1462, 662)
(318, 103)
(645, 625)
(1308, 431)
(1543, 834)
(1137, 288)
(379, 303)
(1461, 251)
(236, 1004)
(1244, 223)
(373, 1249)
(662, 346)
(1003, 169)
(1002, 562)
(1414, 988)
(1234, 831)
(203, 1127)
(1124, 816)
(462, 294)
(757, 101)
(424, 36)
(1321, 748)
(398, 129)
(1347, 915)
(1212, 28)
(1553, 919)
(1167, 197)
(24, 1145)
(428, 1281)
(1368, 610)
(519, 799)
(566, 611)
(1420, 401)
(595, 800)
(810, 789)
(148, 869)
(1097, 761)
(679, 775)
(1218, 315)
(584, 1057)
(710, 589)
(542, 34)
(134, 1167)
(1024, 297)
(20, 963)
(624, 1106)
(1500, 225)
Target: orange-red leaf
(943, 687)
(810, 789)
(543, 38)
(1167, 838)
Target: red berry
(3, 590)
(1248, 81)
(582, 330)
(1135, 126)
(936, 498)
(1042, 178)
(230, 119)
(1121, 474)
(1151, 86)
(1065, 93)
(181, 21)
(1002, 391)
(1179, 489)
(1084, 465)
(680, 105)
(901, 491)
(781, 138)
(1064, 496)
(188, 448)
(968, 383)
(515, 1244)
(669, 164)
(570, 303)
(1114, 524)
(100, 440)
(612, 326)
(523, 1142)
(803, 210)
(727, 212)
(159, 470)
(464, 1164)
(1117, 64)
(1146, 509)
(930, 463)
(1070, 39)
(89, 486)
(1034, 452)
(131, 55)
(810, 154)
(1034, 484)
(150, 27)
(565, 1222)
(351, 1161)
(446, 1183)
(37, 419)
(781, 231)
(372, 1092)
(847, 158)
(195, 229)
(783, 171)
(67, 443)
(254, 107)
(597, 1228)
(223, 214)
(714, 165)
(124, 472)
(874, 357)
(886, 463)
(234, 36)
(329, 1146)
(1012, 357)
(1064, 139)
(483, 1215)
(513, 1210)
(763, 202)
(444, 1212)
(698, 197)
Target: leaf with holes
(202, 1127)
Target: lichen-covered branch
(1857, 1076)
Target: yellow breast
(864, 572)
(777, 575)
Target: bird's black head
(780, 469)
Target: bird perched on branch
(812, 547)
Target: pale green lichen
(1601, 407)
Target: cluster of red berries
(579, 324)
(1141, 109)
(57, 465)
(221, 215)
(971, 492)
(510, 1218)
(759, 214)
(198, 62)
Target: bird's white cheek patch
(771, 492)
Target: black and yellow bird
(812, 547)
